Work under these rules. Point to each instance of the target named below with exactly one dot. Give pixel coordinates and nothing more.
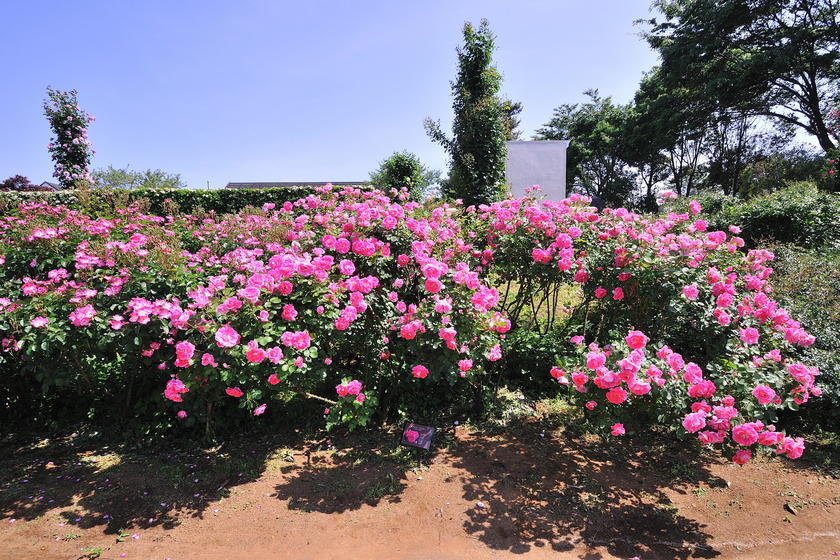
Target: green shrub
(526, 354)
(807, 284)
(800, 215)
(160, 201)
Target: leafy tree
(646, 157)
(124, 178)
(19, 183)
(477, 149)
(830, 173)
(776, 58)
(775, 166)
(651, 170)
(512, 109)
(404, 170)
(69, 147)
(595, 160)
(671, 121)
(730, 148)
(704, 147)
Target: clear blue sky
(290, 91)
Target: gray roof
(275, 185)
(53, 186)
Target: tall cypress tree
(477, 149)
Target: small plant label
(417, 435)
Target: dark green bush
(807, 284)
(527, 356)
(800, 215)
(160, 201)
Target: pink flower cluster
(398, 293)
(353, 389)
(639, 375)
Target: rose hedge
(393, 303)
(343, 288)
(158, 201)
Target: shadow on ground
(364, 469)
(97, 484)
(537, 488)
(555, 492)
(560, 492)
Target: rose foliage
(377, 297)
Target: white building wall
(537, 162)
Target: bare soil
(522, 492)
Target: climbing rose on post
(69, 147)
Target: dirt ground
(522, 492)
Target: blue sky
(281, 91)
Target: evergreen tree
(477, 149)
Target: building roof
(49, 185)
(286, 184)
(537, 142)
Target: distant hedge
(160, 201)
(800, 215)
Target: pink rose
(184, 350)
(749, 335)
(174, 389)
(289, 312)
(690, 292)
(693, 374)
(433, 285)
(616, 395)
(764, 394)
(354, 387)
(227, 337)
(792, 448)
(694, 422)
(744, 434)
(695, 207)
(742, 456)
(255, 355)
(595, 360)
(636, 340)
(274, 354)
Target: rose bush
(391, 303)
(674, 325)
(348, 286)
